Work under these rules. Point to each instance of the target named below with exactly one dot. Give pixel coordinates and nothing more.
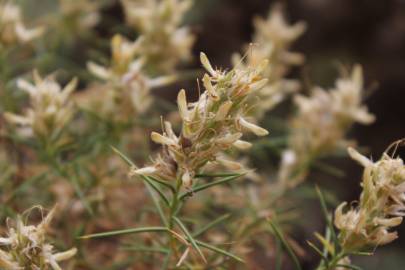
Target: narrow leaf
(348, 266)
(190, 237)
(157, 205)
(145, 249)
(160, 192)
(210, 184)
(211, 224)
(125, 231)
(220, 251)
(317, 251)
(123, 156)
(327, 216)
(290, 252)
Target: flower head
(26, 247)
(213, 123)
(322, 121)
(50, 107)
(272, 40)
(165, 42)
(12, 28)
(128, 86)
(381, 205)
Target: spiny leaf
(348, 266)
(125, 231)
(317, 251)
(210, 184)
(327, 217)
(157, 189)
(290, 252)
(145, 249)
(211, 224)
(157, 205)
(330, 248)
(219, 250)
(123, 156)
(190, 237)
(201, 175)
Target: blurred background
(371, 33)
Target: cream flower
(50, 107)
(213, 123)
(26, 247)
(272, 40)
(128, 86)
(12, 29)
(165, 43)
(381, 206)
(322, 121)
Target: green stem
(333, 262)
(172, 213)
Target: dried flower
(26, 247)
(12, 28)
(50, 109)
(321, 123)
(210, 125)
(164, 42)
(381, 205)
(272, 40)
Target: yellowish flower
(272, 40)
(380, 208)
(26, 247)
(50, 107)
(128, 87)
(213, 123)
(12, 29)
(321, 123)
(165, 42)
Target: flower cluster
(12, 29)
(164, 42)
(321, 122)
(50, 110)
(380, 208)
(127, 87)
(26, 247)
(272, 40)
(210, 125)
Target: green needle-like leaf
(348, 266)
(125, 231)
(211, 224)
(210, 184)
(220, 251)
(157, 205)
(290, 252)
(190, 237)
(327, 217)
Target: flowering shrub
(198, 192)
